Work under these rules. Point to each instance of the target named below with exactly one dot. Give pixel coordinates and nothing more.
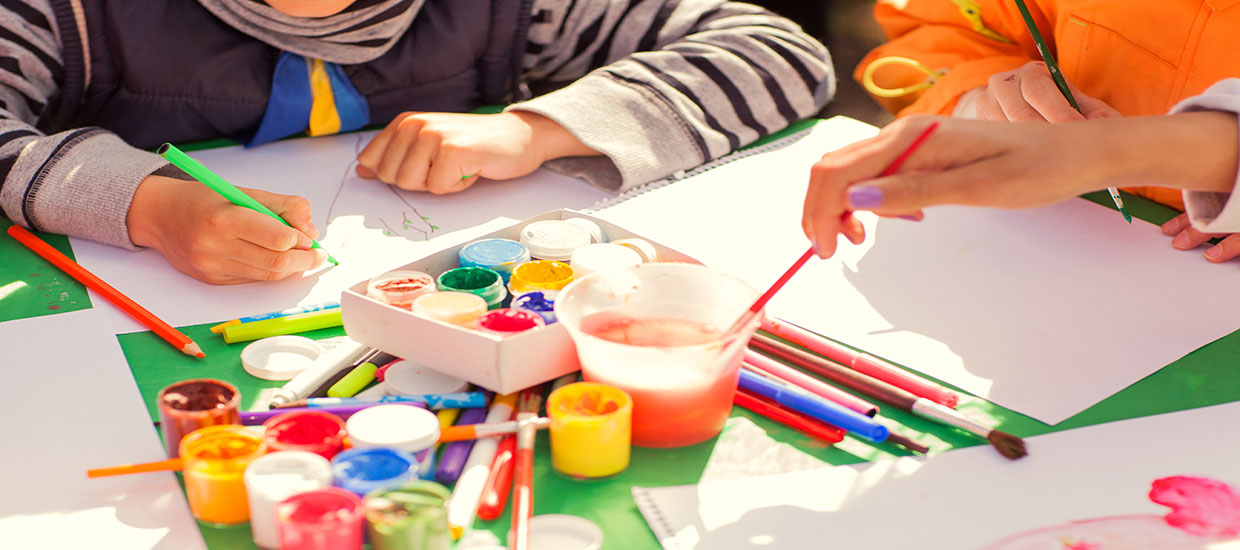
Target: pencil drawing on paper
(412, 223)
(1205, 515)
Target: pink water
(680, 413)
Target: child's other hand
(444, 152)
(1187, 238)
(1029, 94)
(215, 241)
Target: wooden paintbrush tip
(908, 443)
(1007, 444)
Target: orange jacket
(1139, 56)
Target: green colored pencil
(227, 190)
(1062, 84)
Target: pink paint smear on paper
(1199, 505)
(1204, 513)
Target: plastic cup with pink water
(655, 331)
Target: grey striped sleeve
(663, 85)
(78, 182)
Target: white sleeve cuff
(1213, 212)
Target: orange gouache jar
(214, 461)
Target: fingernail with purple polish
(910, 217)
(865, 196)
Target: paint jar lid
(642, 247)
(457, 308)
(364, 470)
(602, 257)
(280, 357)
(596, 233)
(564, 532)
(407, 378)
(498, 254)
(554, 239)
(398, 425)
(399, 288)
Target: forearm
(79, 182)
(685, 82)
(1194, 151)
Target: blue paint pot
(500, 255)
(361, 471)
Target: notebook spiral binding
(654, 517)
(683, 174)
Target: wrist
(144, 209)
(551, 140)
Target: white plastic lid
(643, 247)
(280, 357)
(403, 427)
(602, 257)
(596, 232)
(564, 532)
(406, 378)
(554, 239)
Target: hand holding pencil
(207, 237)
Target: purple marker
(257, 418)
(452, 462)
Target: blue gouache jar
(499, 255)
(542, 303)
(361, 471)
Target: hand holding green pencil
(221, 186)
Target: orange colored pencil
(164, 330)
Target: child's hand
(443, 152)
(1029, 94)
(215, 241)
(1187, 238)
(963, 162)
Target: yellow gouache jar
(540, 275)
(590, 429)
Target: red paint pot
(312, 431)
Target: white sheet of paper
(74, 407)
(367, 225)
(967, 498)
(1045, 311)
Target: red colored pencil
(862, 362)
(164, 330)
(779, 414)
(775, 369)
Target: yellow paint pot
(540, 275)
(215, 458)
(590, 429)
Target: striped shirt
(657, 86)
